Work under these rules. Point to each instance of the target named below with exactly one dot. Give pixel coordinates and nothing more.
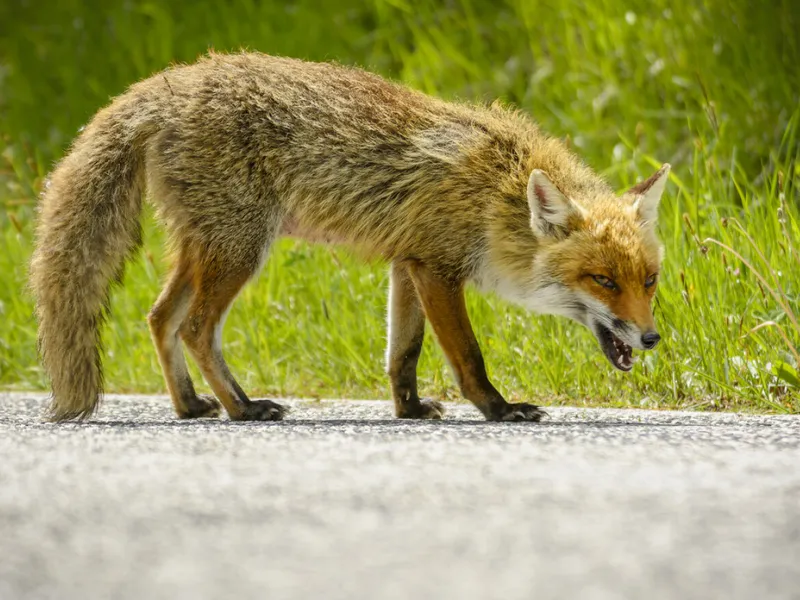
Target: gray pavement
(340, 501)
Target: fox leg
(406, 332)
(445, 308)
(216, 282)
(164, 320)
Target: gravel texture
(341, 501)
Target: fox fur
(236, 150)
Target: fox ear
(550, 209)
(648, 194)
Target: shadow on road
(384, 423)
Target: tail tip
(60, 414)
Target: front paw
(422, 409)
(520, 412)
(261, 410)
(201, 406)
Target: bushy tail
(88, 226)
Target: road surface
(342, 502)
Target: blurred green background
(712, 87)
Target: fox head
(598, 261)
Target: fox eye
(605, 282)
(650, 281)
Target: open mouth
(618, 352)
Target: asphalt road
(342, 502)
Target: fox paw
(262, 410)
(521, 412)
(201, 407)
(424, 409)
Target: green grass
(711, 87)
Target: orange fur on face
(631, 304)
(611, 241)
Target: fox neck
(510, 266)
(522, 281)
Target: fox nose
(650, 339)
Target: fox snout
(620, 338)
(642, 337)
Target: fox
(238, 149)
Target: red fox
(236, 150)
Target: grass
(711, 87)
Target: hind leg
(165, 319)
(216, 281)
